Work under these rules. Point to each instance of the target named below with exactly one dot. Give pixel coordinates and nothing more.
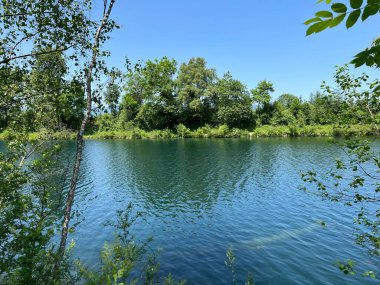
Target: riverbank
(219, 132)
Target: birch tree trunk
(80, 141)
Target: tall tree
(231, 102)
(287, 110)
(150, 88)
(261, 96)
(194, 80)
(160, 109)
(72, 104)
(93, 69)
(47, 86)
(111, 97)
(51, 27)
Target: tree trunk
(80, 141)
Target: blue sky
(253, 39)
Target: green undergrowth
(222, 131)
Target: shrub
(183, 131)
(202, 132)
(221, 132)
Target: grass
(219, 132)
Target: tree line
(157, 95)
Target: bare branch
(20, 41)
(28, 154)
(361, 167)
(24, 14)
(60, 49)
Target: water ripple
(202, 196)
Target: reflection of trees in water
(180, 175)
(189, 175)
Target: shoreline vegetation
(207, 131)
(159, 100)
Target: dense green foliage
(38, 92)
(355, 180)
(29, 200)
(48, 26)
(36, 39)
(157, 96)
(43, 97)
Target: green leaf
(369, 10)
(337, 20)
(339, 8)
(363, 53)
(377, 59)
(356, 4)
(313, 20)
(317, 27)
(310, 30)
(353, 18)
(324, 14)
(370, 61)
(376, 89)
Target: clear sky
(253, 39)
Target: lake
(200, 197)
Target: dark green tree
(13, 81)
(72, 104)
(47, 87)
(160, 109)
(289, 101)
(150, 98)
(111, 97)
(287, 110)
(261, 97)
(231, 102)
(194, 80)
(326, 108)
(129, 108)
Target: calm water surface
(200, 197)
